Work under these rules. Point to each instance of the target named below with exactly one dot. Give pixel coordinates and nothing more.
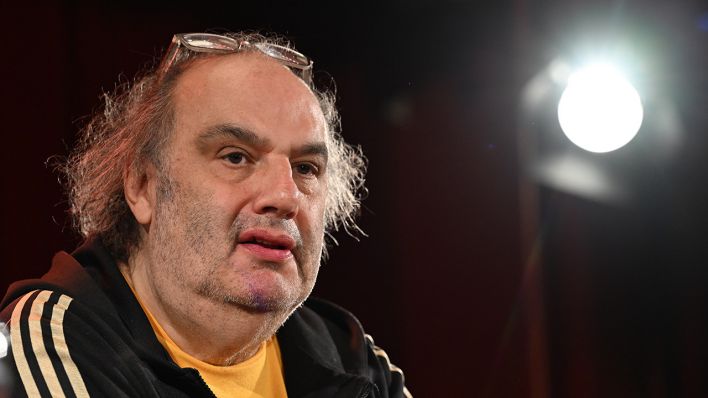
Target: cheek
(228, 199)
(199, 211)
(316, 215)
(321, 200)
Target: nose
(279, 194)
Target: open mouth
(266, 244)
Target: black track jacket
(79, 330)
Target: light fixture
(599, 110)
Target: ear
(139, 189)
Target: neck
(217, 333)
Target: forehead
(249, 90)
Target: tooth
(265, 243)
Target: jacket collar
(96, 260)
(322, 353)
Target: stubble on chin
(253, 301)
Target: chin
(263, 303)
(265, 299)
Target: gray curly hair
(131, 131)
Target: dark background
(477, 280)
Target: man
(204, 192)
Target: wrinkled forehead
(248, 88)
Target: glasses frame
(184, 45)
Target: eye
(307, 169)
(235, 157)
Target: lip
(267, 245)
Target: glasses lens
(206, 41)
(285, 55)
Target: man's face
(240, 195)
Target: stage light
(3, 341)
(599, 110)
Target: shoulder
(47, 331)
(67, 335)
(336, 319)
(60, 344)
(66, 275)
(355, 349)
(39, 345)
(67, 294)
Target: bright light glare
(3, 344)
(599, 110)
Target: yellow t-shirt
(260, 376)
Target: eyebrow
(318, 148)
(232, 131)
(252, 139)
